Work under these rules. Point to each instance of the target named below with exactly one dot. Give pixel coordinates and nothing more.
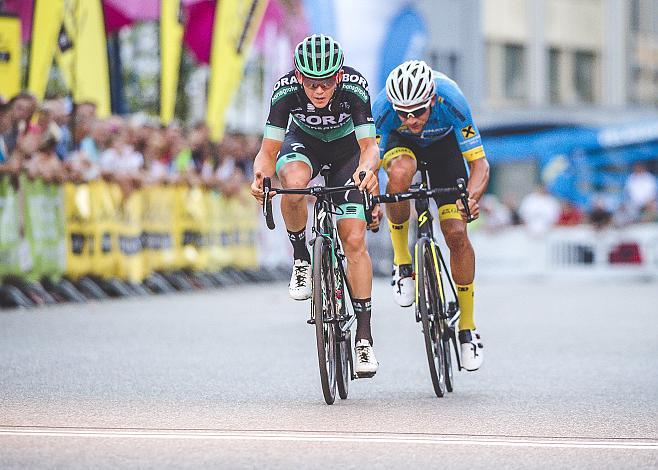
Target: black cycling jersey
(348, 110)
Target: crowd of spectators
(539, 210)
(59, 142)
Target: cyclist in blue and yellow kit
(422, 115)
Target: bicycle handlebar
(420, 193)
(312, 191)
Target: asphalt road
(229, 379)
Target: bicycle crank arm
(345, 328)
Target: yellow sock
(465, 298)
(400, 239)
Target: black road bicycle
(331, 311)
(434, 310)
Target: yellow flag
(92, 77)
(236, 23)
(46, 23)
(10, 56)
(171, 40)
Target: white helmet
(410, 84)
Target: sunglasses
(416, 113)
(325, 83)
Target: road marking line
(383, 438)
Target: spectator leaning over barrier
(45, 125)
(120, 157)
(22, 107)
(62, 117)
(156, 164)
(44, 162)
(539, 210)
(120, 162)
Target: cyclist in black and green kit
(320, 115)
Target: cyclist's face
(319, 92)
(416, 119)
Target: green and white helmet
(318, 56)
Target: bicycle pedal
(311, 321)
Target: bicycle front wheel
(344, 352)
(324, 301)
(429, 305)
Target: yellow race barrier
(157, 228)
(77, 230)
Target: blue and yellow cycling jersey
(451, 113)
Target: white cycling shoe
(471, 349)
(403, 283)
(366, 364)
(300, 281)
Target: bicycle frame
(324, 226)
(426, 229)
(341, 315)
(451, 312)
(421, 194)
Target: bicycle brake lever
(463, 196)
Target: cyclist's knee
(295, 175)
(354, 243)
(401, 170)
(455, 236)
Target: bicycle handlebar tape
(267, 206)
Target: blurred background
(128, 131)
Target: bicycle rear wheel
(429, 305)
(324, 301)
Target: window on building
(554, 75)
(514, 72)
(584, 75)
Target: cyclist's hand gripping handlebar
(267, 203)
(463, 197)
(367, 203)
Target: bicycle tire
(324, 307)
(429, 305)
(448, 337)
(344, 351)
(344, 347)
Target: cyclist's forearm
(264, 163)
(479, 178)
(369, 157)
